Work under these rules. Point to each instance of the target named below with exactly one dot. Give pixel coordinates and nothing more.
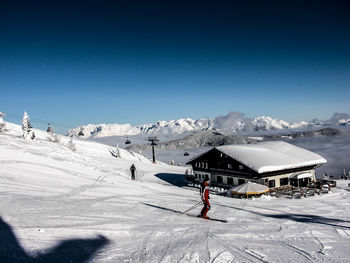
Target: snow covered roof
(271, 156)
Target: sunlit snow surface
(65, 205)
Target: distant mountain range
(232, 123)
(213, 138)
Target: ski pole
(192, 207)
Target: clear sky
(77, 62)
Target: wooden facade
(225, 171)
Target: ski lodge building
(274, 163)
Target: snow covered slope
(63, 206)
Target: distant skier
(132, 169)
(205, 198)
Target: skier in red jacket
(205, 198)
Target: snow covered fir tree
(2, 122)
(26, 125)
(52, 137)
(71, 145)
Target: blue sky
(138, 62)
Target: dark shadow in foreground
(72, 250)
(174, 179)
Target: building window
(266, 182)
(219, 179)
(221, 154)
(230, 180)
(206, 165)
(229, 166)
(240, 167)
(271, 183)
(284, 181)
(241, 181)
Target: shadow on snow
(174, 179)
(301, 218)
(162, 208)
(71, 250)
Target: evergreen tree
(26, 125)
(49, 129)
(71, 145)
(53, 137)
(2, 122)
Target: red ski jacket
(205, 194)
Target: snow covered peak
(340, 119)
(159, 128)
(228, 124)
(344, 122)
(104, 130)
(267, 123)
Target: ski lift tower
(153, 141)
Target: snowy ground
(63, 206)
